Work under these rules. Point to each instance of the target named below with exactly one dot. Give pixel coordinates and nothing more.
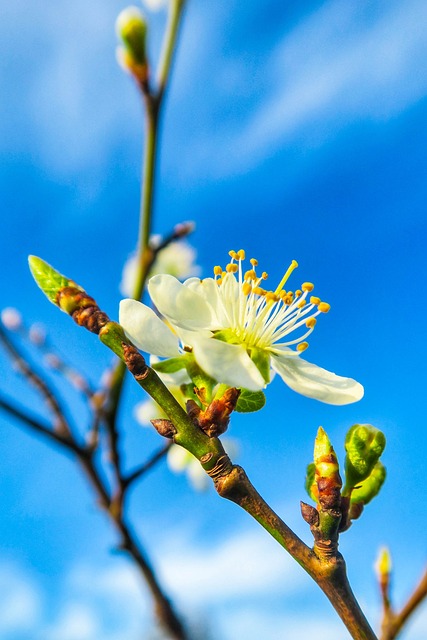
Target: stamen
(311, 323)
(232, 267)
(301, 304)
(324, 307)
(250, 275)
(241, 255)
(302, 346)
(246, 288)
(315, 300)
(217, 271)
(264, 275)
(253, 262)
(291, 268)
(307, 286)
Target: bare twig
(140, 471)
(35, 378)
(393, 623)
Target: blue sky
(295, 132)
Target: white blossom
(177, 259)
(237, 330)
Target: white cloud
(75, 622)
(345, 63)
(246, 564)
(20, 602)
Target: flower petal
(179, 304)
(314, 382)
(146, 330)
(227, 363)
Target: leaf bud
(383, 565)
(131, 28)
(364, 445)
(370, 487)
(326, 470)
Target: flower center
(262, 318)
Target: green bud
(364, 445)
(131, 27)
(326, 470)
(383, 564)
(370, 487)
(51, 282)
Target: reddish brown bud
(164, 427)
(134, 361)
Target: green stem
(174, 20)
(154, 103)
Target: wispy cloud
(347, 62)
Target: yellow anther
(259, 291)
(217, 271)
(301, 304)
(302, 346)
(307, 286)
(288, 299)
(246, 288)
(264, 275)
(315, 300)
(253, 262)
(250, 275)
(232, 267)
(270, 296)
(241, 255)
(232, 254)
(219, 281)
(298, 293)
(324, 307)
(291, 268)
(310, 323)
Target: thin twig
(36, 424)
(35, 378)
(140, 471)
(393, 623)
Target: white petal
(146, 330)
(314, 382)
(209, 290)
(179, 304)
(227, 363)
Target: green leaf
(309, 481)
(364, 445)
(250, 401)
(50, 281)
(172, 365)
(370, 487)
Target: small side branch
(38, 381)
(393, 623)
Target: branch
(140, 471)
(231, 482)
(37, 380)
(37, 425)
(393, 623)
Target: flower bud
(326, 470)
(383, 565)
(364, 444)
(370, 487)
(131, 28)
(11, 318)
